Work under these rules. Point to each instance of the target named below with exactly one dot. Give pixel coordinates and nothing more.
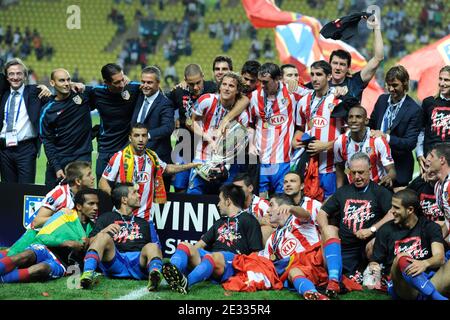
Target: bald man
(65, 127)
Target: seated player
(60, 243)
(121, 244)
(411, 249)
(236, 232)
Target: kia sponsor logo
(142, 177)
(320, 122)
(288, 247)
(278, 119)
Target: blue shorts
(124, 265)
(328, 183)
(271, 176)
(153, 234)
(181, 180)
(198, 185)
(228, 270)
(57, 270)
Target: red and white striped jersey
(212, 113)
(377, 149)
(143, 175)
(274, 125)
(259, 206)
(58, 198)
(442, 192)
(314, 115)
(297, 236)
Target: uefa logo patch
(31, 205)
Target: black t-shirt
(436, 119)
(392, 239)
(239, 234)
(134, 232)
(116, 110)
(357, 209)
(427, 199)
(66, 127)
(354, 84)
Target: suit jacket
(403, 135)
(160, 124)
(32, 104)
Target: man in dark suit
(156, 112)
(398, 118)
(19, 116)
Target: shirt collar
(20, 90)
(398, 103)
(444, 98)
(152, 97)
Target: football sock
(419, 282)
(154, 264)
(18, 275)
(202, 272)
(180, 258)
(6, 265)
(302, 285)
(332, 253)
(91, 260)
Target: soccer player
(360, 209)
(56, 246)
(313, 115)
(140, 165)
(221, 66)
(206, 119)
(78, 177)
(358, 139)
(65, 127)
(272, 113)
(236, 232)
(438, 160)
(409, 247)
(121, 244)
(249, 74)
(254, 204)
(436, 113)
(340, 61)
(184, 101)
(295, 233)
(115, 102)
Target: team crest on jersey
(278, 119)
(125, 95)
(288, 247)
(31, 205)
(319, 122)
(331, 105)
(77, 99)
(368, 150)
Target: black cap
(343, 28)
(342, 109)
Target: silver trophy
(230, 144)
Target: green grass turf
(109, 289)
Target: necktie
(11, 111)
(144, 111)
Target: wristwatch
(373, 229)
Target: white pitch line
(137, 294)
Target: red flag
(423, 65)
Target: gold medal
(266, 125)
(188, 121)
(273, 257)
